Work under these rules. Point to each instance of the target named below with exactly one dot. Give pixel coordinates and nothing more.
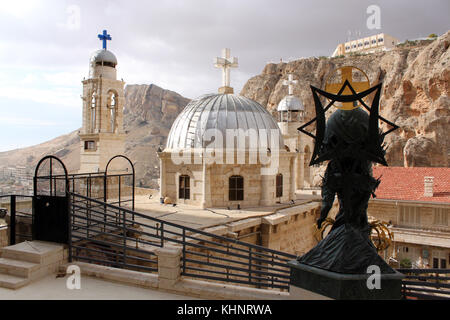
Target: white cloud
(30, 79)
(69, 79)
(18, 9)
(27, 122)
(54, 96)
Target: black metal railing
(130, 243)
(111, 188)
(20, 212)
(427, 284)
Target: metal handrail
(425, 283)
(204, 255)
(141, 215)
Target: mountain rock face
(148, 116)
(415, 95)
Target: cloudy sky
(45, 47)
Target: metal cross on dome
(104, 37)
(290, 82)
(226, 63)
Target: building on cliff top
(375, 43)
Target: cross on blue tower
(104, 37)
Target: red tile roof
(399, 183)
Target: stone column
(162, 170)
(206, 188)
(169, 270)
(292, 179)
(301, 159)
(297, 171)
(265, 190)
(119, 114)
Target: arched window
(184, 187)
(112, 104)
(93, 108)
(279, 185)
(236, 188)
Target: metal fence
(130, 243)
(20, 216)
(112, 188)
(426, 284)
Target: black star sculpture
(372, 149)
(351, 140)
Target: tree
(405, 263)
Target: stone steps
(28, 261)
(17, 267)
(12, 282)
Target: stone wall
(4, 241)
(291, 230)
(259, 190)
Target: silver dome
(221, 112)
(103, 55)
(290, 103)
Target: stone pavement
(52, 288)
(198, 218)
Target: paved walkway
(198, 218)
(52, 288)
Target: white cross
(226, 63)
(290, 82)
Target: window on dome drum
(236, 188)
(279, 185)
(184, 187)
(105, 63)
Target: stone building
(227, 171)
(375, 43)
(225, 150)
(101, 134)
(416, 203)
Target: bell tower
(101, 135)
(291, 114)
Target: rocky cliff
(415, 95)
(148, 115)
